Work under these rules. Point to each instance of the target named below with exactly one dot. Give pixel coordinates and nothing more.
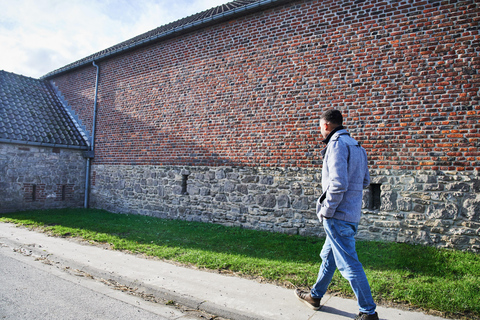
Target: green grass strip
(446, 281)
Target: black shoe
(307, 298)
(366, 316)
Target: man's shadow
(347, 315)
(331, 310)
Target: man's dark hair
(333, 116)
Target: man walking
(344, 176)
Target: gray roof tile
(32, 113)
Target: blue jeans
(339, 252)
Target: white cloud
(39, 36)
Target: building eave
(42, 144)
(172, 33)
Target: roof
(205, 18)
(32, 113)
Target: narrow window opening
(375, 196)
(64, 191)
(34, 192)
(184, 184)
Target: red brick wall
(79, 90)
(249, 92)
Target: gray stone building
(42, 147)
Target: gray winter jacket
(344, 176)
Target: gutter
(43, 144)
(215, 19)
(90, 154)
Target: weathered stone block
(220, 198)
(210, 175)
(471, 207)
(204, 192)
(229, 186)
(442, 211)
(220, 174)
(268, 201)
(296, 189)
(250, 179)
(463, 187)
(177, 190)
(433, 187)
(266, 180)
(404, 204)
(242, 188)
(283, 201)
(389, 201)
(193, 190)
(301, 203)
(430, 179)
(476, 185)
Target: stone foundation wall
(425, 207)
(40, 178)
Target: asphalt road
(34, 289)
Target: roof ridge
(18, 75)
(198, 20)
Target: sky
(39, 36)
